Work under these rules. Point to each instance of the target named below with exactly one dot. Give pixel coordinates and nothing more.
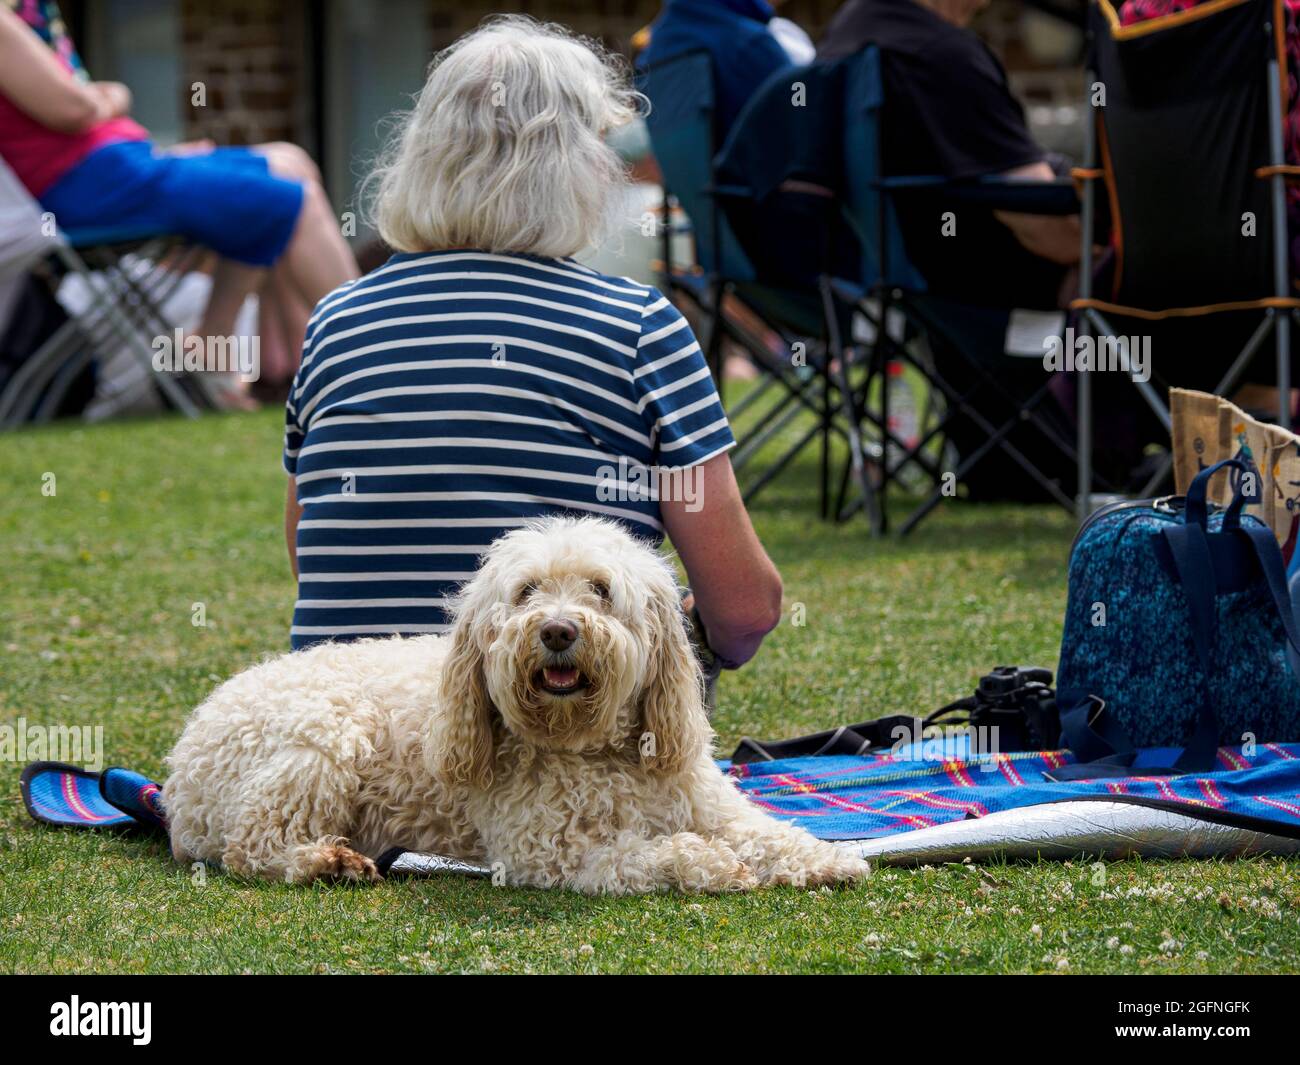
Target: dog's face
(570, 637)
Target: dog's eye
(601, 589)
(524, 593)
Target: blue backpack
(1179, 632)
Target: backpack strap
(863, 738)
(1092, 736)
(1269, 555)
(1195, 567)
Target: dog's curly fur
(301, 767)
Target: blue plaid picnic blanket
(59, 794)
(841, 796)
(874, 795)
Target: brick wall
(614, 21)
(251, 56)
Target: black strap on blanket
(847, 739)
(1017, 701)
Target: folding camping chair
(973, 378)
(682, 130)
(775, 179)
(128, 275)
(1189, 134)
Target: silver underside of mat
(1073, 829)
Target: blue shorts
(226, 199)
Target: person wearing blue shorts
(261, 209)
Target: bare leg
(284, 323)
(232, 283)
(317, 259)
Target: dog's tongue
(560, 678)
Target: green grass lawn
(149, 518)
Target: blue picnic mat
(840, 796)
(59, 794)
(869, 796)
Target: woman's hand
(199, 147)
(36, 82)
(114, 98)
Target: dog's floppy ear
(461, 746)
(675, 725)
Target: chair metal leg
(104, 296)
(837, 354)
(751, 398)
(1281, 245)
(713, 346)
(22, 390)
(771, 473)
(1284, 371)
(778, 418)
(58, 387)
(1083, 381)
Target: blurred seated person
(72, 143)
(949, 112)
(738, 36)
(1134, 11)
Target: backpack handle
(1197, 511)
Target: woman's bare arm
(33, 79)
(737, 588)
(292, 514)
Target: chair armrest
(734, 192)
(1021, 195)
(1287, 173)
(101, 236)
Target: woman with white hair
(482, 378)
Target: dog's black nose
(558, 634)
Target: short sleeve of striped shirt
(294, 431)
(675, 390)
(292, 435)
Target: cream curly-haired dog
(559, 731)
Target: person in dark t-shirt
(949, 112)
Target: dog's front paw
(350, 865)
(839, 866)
(332, 861)
(807, 864)
(709, 866)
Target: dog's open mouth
(565, 680)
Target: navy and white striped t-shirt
(448, 397)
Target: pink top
(40, 155)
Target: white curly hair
(557, 734)
(505, 148)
